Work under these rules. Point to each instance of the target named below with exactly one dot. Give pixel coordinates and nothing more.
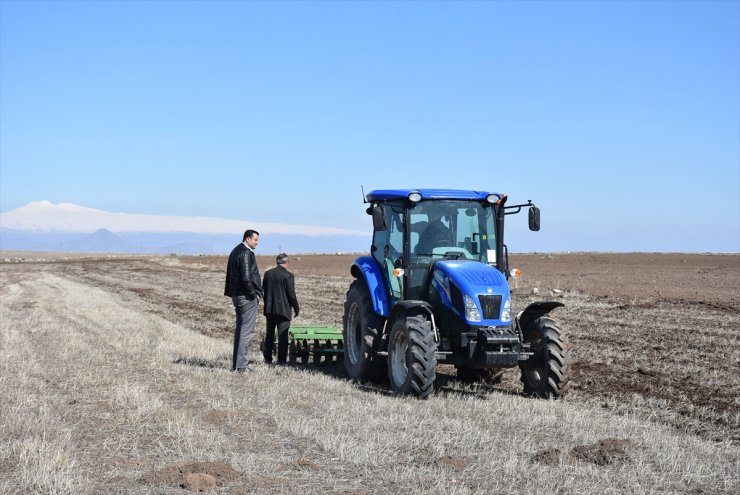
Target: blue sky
(621, 120)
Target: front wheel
(411, 359)
(547, 373)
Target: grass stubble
(111, 384)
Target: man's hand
(296, 313)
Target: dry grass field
(114, 378)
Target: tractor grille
(491, 306)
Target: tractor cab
(409, 237)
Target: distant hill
(101, 241)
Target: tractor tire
(411, 359)
(547, 373)
(362, 331)
(471, 375)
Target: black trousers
(282, 324)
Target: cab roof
(379, 195)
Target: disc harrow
(320, 344)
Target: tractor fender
(412, 307)
(534, 311)
(365, 267)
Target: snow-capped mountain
(43, 216)
(43, 226)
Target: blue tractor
(434, 290)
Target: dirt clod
(199, 482)
(196, 476)
(549, 457)
(607, 451)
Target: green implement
(316, 341)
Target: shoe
(243, 370)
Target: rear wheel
(547, 372)
(362, 332)
(411, 359)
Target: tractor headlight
(493, 198)
(506, 313)
(414, 197)
(471, 309)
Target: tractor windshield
(459, 229)
(449, 229)
(454, 229)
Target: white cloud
(43, 216)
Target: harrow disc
(316, 355)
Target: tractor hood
(472, 277)
(485, 285)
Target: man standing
(245, 289)
(280, 298)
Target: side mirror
(378, 213)
(534, 218)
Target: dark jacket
(436, 234)
(280, 296)
(242, 275)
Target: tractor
(434, 290)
